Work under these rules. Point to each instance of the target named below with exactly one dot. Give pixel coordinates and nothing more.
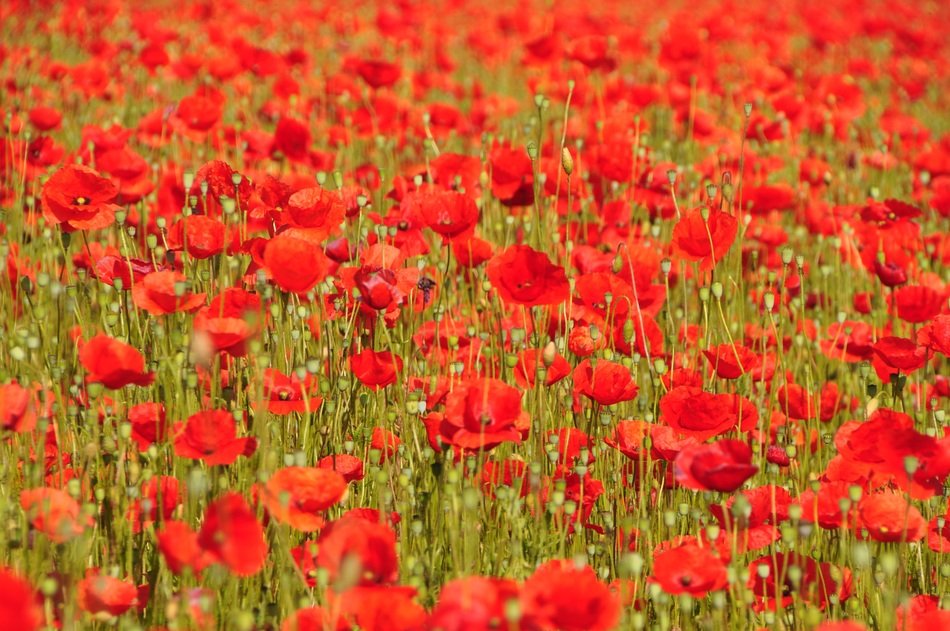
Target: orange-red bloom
(78, 198)
(299, 496)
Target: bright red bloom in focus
(721, 466)
(482, 413)
(376, 369)
(704, 240)
(286, 395)
(605, 382)
(78, 198)
(449, 214)
(697, 413)
(524, 276)
(296, 265)
(731, 361)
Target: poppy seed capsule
(567, 161)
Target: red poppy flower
(472, 602)
(164, 292)
(114, 364)
(689, 569)
(471, 252)
(298, 496)
(317, 211)
(796, 402)
(54, 513)
(130, 271)
(369, 546)
(900, 353)
(350, 467)
(78, 198)
(213, 182)
(890, 273)
(378, 608)
(17, 408)
(936, 335)
(535, 362)
(376, 369)
(20, 607)
(731, 361)
(592, 51)
(233, 536)
(917, 303)
(159, 496)
(605, 382)
(101, 594)
(45, 118)
(527, 277)
(291, 139)
(211, 436)
(148, 424)
(584, 340)
(199, 235)
(198, 112)
(296, 265)
(481, 414)
(848, 341)
(724, 466)
(179, 546)
(938, 534)
(378, 73)
(560, 595)
(817, 584)
(512, 176)
(230, 320)
(449, 214)
(823, 506)
(385, 442)
(313, 619)
(696, 413)
(286, 395)
(704, 240)
(888, 517)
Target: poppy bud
(777, 456)
(567, 161)
(549, 354)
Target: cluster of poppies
(460, 316)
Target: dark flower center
(80, 201)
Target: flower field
(517, 316)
